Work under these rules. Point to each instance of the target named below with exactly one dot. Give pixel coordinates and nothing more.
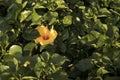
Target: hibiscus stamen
(45, 37)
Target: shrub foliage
(87, 46)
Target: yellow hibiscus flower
(46, 36)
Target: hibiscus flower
(46, 36)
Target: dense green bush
(87, 46)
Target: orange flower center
(46, 37)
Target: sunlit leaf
(19, 1)
(59, 75)
(67, 20)
(24, 15)
(101, 40)
(93, 35)
(102, 71)
(57, 59)
(35, 17)
(29, 77)
(15, 49)
(3, 67)
(105, 12)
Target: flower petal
(46, 36)
(43, 30)
(42, 41)
(53, 33)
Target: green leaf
(24, 15)
(53, 14)
(35, 17)
(98, 56)
(30, 34)
(12, 62)
(12, 35)
(39, 5)
(52, 21)
(101, 40)
(110, 32)
(57, 59)
(60, 4)
(3, 40)
(8, 58)
(67, 20)
(3, 37)
(16, 63)
(92, 36)
(45, 56)
(3, 67)
(28, 48)
(28, 77)
(32, 60)
(24, 4)
(105, 27)
(106, 59)
(19, 1)
(13, 12)
(63, 47)
(51, 17)
(3, 25)
(51, 48)
(65, 35)
(84, 65)
(105, 12)
(116, 31)
(1, 33)
(102, 71)
(39, 68)
(5, 76)
(59, 75)
(15, 49)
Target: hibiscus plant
(59, 39)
